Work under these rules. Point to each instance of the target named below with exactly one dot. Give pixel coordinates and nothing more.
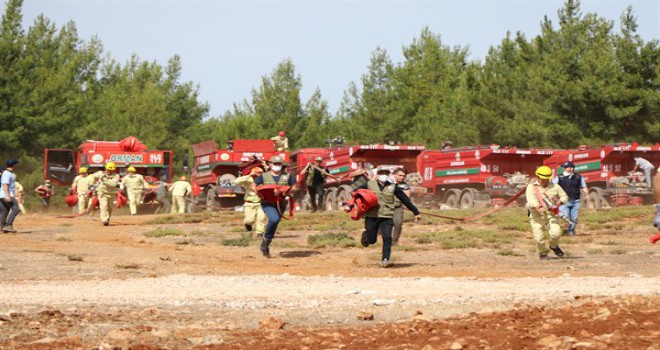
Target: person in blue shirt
(573, 184)
(9, 208)
(274, 176)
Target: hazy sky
(227, 46)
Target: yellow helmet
(544, 173)
(82, 170)
(130, 169)
(110, 166)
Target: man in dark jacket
(573, 184)
(380, 218)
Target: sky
(228, 46)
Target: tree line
(580, 81)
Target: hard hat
(182, 178)
(318, 159)
(383, 170)
(47, 182)
(275, 159)
(282, 133)
(82, 170)
(544, 173)
(130, 169)
(110, 166)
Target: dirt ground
(72, 283)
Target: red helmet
(282, 133)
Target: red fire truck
(478, 176)
(214, 171)
(61, 165)
(343, 160)
(607, 172)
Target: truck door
(60, 166)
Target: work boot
(9, 229)
(264, 247)
(248, 228)
(543, 256)
(106, 223)
(558, 252)
(386, 263)
(364, 240)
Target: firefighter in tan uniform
(20, 191)
(540, 217)
(252, 206)
(106, 190)
(134, 185)
(281, 142)
(180, 190)
(80, 186)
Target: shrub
(342, 240)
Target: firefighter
(80, 186)
(380, 218)
(361, 176)
(134, 184)
(20, 191)
(106, 190)
(281, 142)
(162, 198)
(274, 176)
(538, 193)
(316, 175)
(254, 214)
(180, 190)
(45, 191)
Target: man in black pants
(315, 180)
(380, 218)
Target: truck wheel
(330, 201)
(343, 194)
(467, 198)
(191, 206)
(597, 199)
(212, 203)
(452, 198)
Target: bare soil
(72, 283)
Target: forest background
(580, 81)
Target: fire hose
(479, 216)
(551, 207)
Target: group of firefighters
(104, 185)
(268, 187)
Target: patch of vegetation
(244, 241)
(615, 215)
(609, 243)
(509, 252)
(163, 232)
(75, 257)
(237, 229)
(128, 266)
(407, 248)
(595, 251)
(185, 242)
(342, 240)
(618, 251)
(207, 217)
(465, 238)
(66, 224)
(63, 239)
